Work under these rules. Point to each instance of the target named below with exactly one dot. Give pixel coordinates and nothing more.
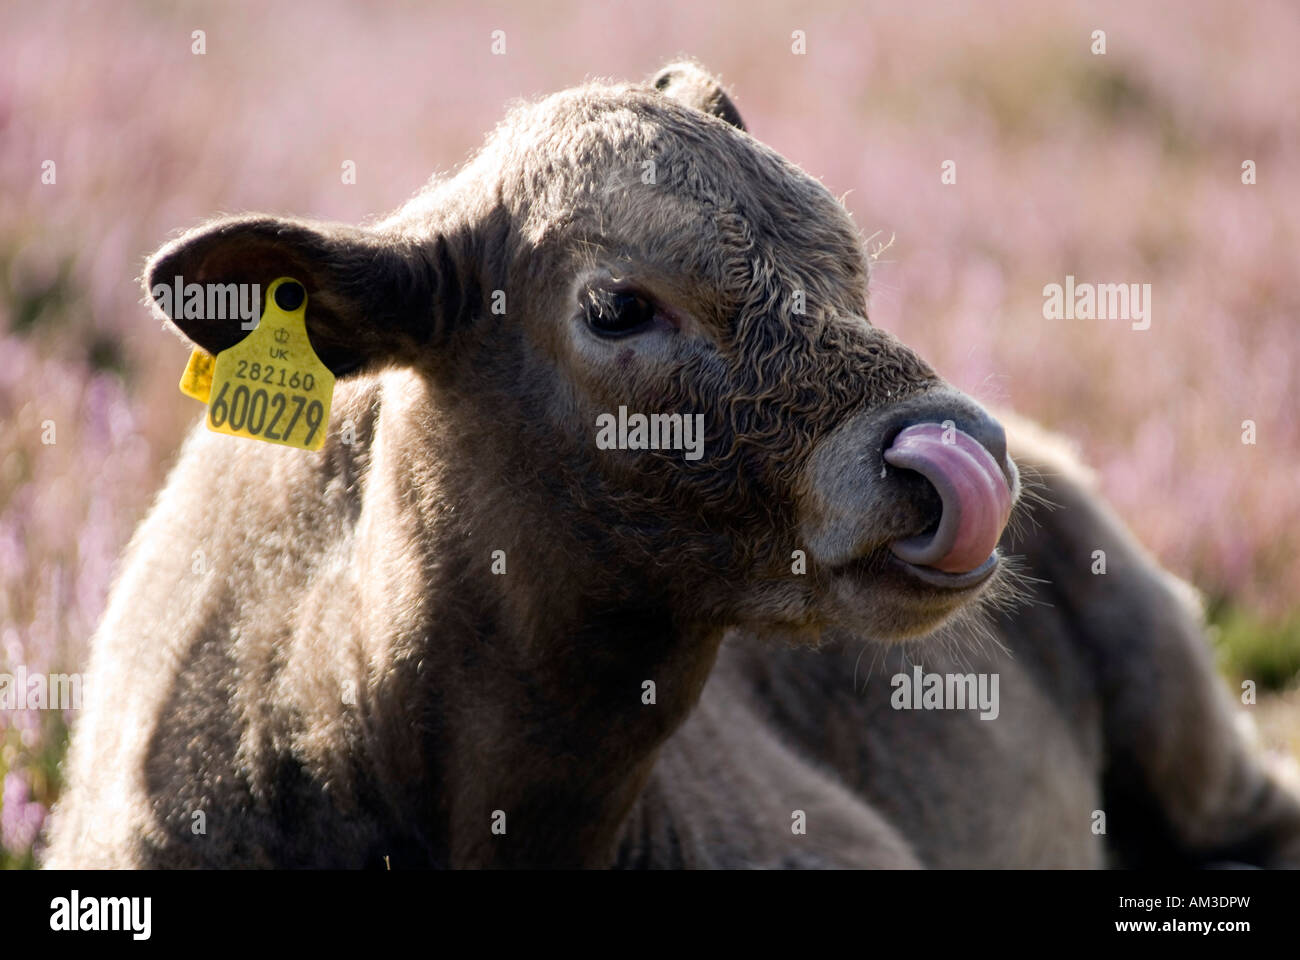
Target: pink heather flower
(20, 817)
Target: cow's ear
(372, 300)
(694, 86)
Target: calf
(466, 633)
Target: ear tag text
(271, 385)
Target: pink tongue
(976, 498)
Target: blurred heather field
(1125, 167)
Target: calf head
(627, 250)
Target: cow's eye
(617, 313)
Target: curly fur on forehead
(628, 170)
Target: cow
(465, 633)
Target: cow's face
(650, 330)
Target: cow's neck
(562, 744)
(536, 726)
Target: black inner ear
(693, 86)
(344, 277)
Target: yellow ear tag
(271, 385)
(196, 381)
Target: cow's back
(180, 734)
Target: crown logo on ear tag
(271, 385)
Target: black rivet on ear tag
(289, 296)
